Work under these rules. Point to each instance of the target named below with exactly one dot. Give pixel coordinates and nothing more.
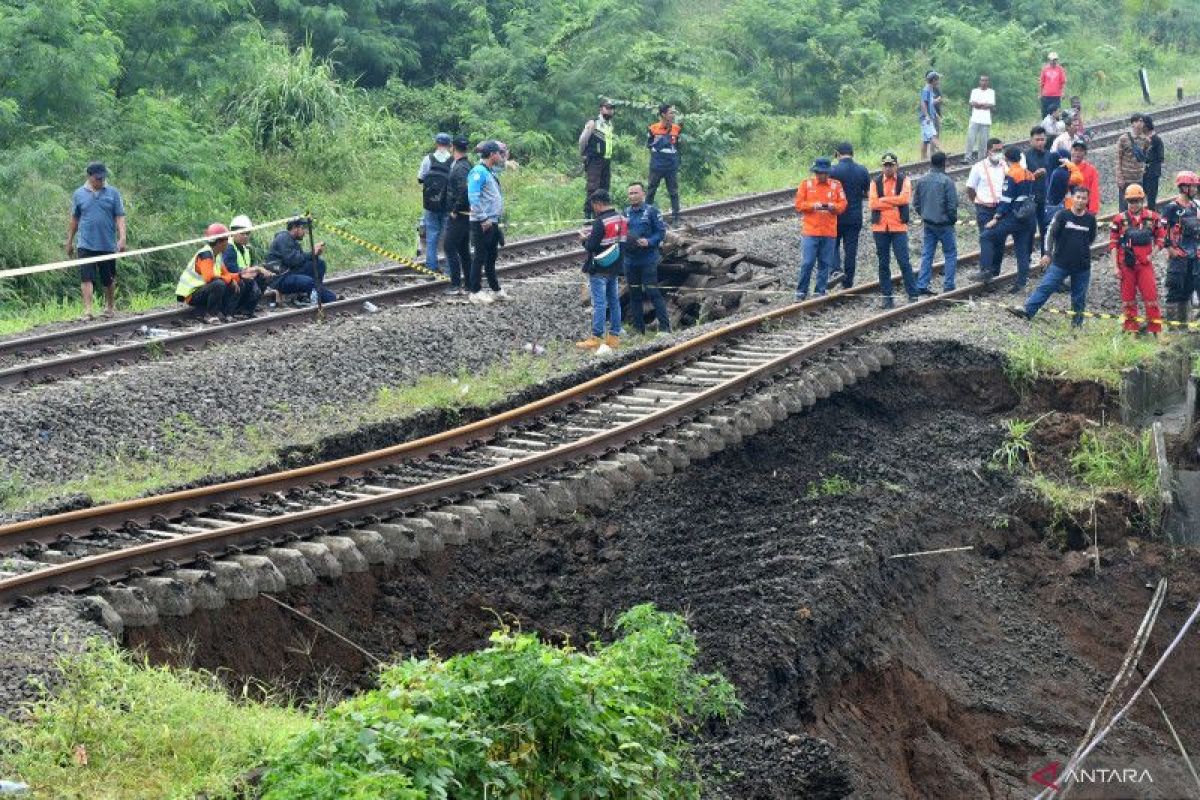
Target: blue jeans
(935, 235)
(435, 223)
(1054, 277)
(845, 253)
(1021, 231)
(820, 250)
(303, 284)
(606, 304)
(644, 277)
(894, 242)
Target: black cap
(298, 222)
(1081, 143)
(97, 168)
(821, 165)
(461, 143)
(600, 196)
(844, 149)
(889, 158)
(486, 148)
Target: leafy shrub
(518, 719)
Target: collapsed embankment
(952, 675)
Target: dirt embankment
(947, 676)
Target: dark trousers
(1021, 231)
(1183, 278)
(457, 244)
(599, 176)
(1150, 184)
(885, 244)
(214, 298)
(643, 278)
(1043, 225)
(486, 245)
(1049, 104)
(845, 253)
(989, 263)
(671, 176)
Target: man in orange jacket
(1135, 233)
(889, 198)
(819, 200)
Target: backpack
(435, 195)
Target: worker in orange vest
(819, 200)
(889, 198)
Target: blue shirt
(928, 95)
(483, 193)
(645, 222)
(856, 182)
(97, 213)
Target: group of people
(662, 140)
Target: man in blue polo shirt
(98, 218)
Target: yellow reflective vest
(190, 279)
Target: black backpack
(435, 195)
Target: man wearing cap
(596, 149)
(935, 199)
(855, 181)
(204, 284)
(1052, 83)
(982, 101)
(458, 230)
(889, 199)
(487, 206)
(96, 228)
(931, 114)
(294, 267)
(434, 177)
(819, 200)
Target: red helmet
(216, 231)
(1187, 178)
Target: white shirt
(982, 116)
(987, 179)
(1053, 126)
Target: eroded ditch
(951, 676)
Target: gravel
(309, 376)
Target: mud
(948, 676)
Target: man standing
(819, 200)
(889, 199)
(1058, 187)
(295, 267)
(1068, 255)
(1014, 216)
(662, 139)
(604, 243)
(984, 184)
(434, 177)
(98, 217)
(930, 114)
(935, 200)
(1181, 222)
(1135, 233)
(645, 234)
(487, 206)
(855, 181)
(1155, 156)
(1131, 158)
(1041, 162)
(1089, 173)
(1052, 84)
(596, 149)
(458, 229)
(203, 284)
(983, 100)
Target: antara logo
(1052, 777)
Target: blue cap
(487, 148)
(821, 165)
(442, 138)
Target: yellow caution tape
(403, 261)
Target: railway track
(171, 553)
(79, 349)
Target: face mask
(994, 158)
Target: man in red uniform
(1181, 221)
(1134, 234)
(819, 200)
(1051, 85)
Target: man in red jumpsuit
(1134, 234)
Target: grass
(1017, 447)
(1117, 459)
(831, 486)
(147, 732)
(1094, 353)
(16, 319)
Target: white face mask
(995, 157)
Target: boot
(590, 343)
(612, 341)
(1177, 312)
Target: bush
(519, 719)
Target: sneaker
(500, 296)
(1195, 299)
(887, 304)
(476, 298)
(590, 343)
(612, 341)
(801, 297)
(212, 320)
(1017, 312)
(927, 292)
(1017, 288)
(453, 291)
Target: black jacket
(287, 255)
(856, 183)
(1034, 161)
(457, 186)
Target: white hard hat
(241, 221)
(1053, 56)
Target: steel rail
(70, 364)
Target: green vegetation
(147, 732)
(1117, 459)
(203, 110)
(1016, 449)
(1095, 353)
(521, 718)
(831, 486)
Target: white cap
(1053, 56)
(241, 221)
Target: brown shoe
(612, 341)
(590, 343)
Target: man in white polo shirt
(985, 184)
(983, 100)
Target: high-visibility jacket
(236, 258)
(888, 200)
(812, 193)
(203, 268)
(1121, 239)
(600, 143)
(663, 141)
